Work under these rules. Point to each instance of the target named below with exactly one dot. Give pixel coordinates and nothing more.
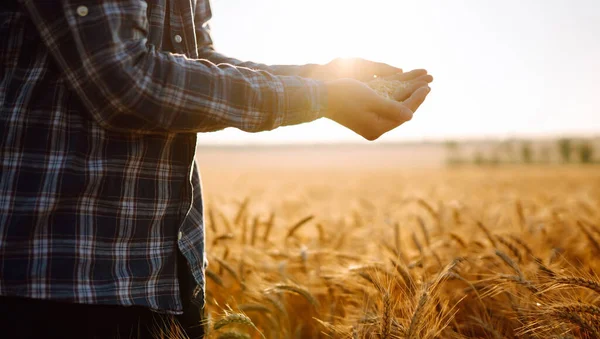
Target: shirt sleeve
(202, 16)
(126, 85)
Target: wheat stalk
(298, 224)
(296, 290)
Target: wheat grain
(211, 220)
(417, 243)
(578, 308)
(386, 316)
(512, 248)
(430, 210)
(406, 277)
(580, 282)
(424, 230)
(233, 319)
(524, 245)
(268, 227)
(397, 240)
(386, 88)
(487, 327)
(229, 269)
(458, 239)
(508, 261)
(225, 222)
(414, 327)
(589, 236)
(346, 288)
(241, 211)
(233, 335)
(577, 320)
(221, 238)
(214, 277)
(487, 233)
(520, 214)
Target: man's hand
(416, 79)
(354, 68)
(357, 107)
(365, 70)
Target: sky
(502, 68)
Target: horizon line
(408, 141)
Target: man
(101, 231)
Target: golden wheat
(509, 253)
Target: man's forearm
(313, 71)
(128, 86)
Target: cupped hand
(415, 79)
(355, 68)
(357, 107)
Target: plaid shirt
(100, 105)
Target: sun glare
(338, 29)
(491, 78)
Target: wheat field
(400, 252)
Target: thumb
(391, 109)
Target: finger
(417, 98)
(424, 78)
(381, 70)
(414, 74)
(391, 109)
(403, 93)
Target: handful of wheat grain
(386, 88)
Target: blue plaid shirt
(100, 105)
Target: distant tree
(452, 152)
(451, 146)
(494, 159)
(507, 149)
(564, 149)
(526, 152)
(478, 158)
(586, 152)
(545, 156)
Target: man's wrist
(304, 100)
(320, 99)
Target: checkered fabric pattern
(100, 103)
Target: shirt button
(178, 38)
(82, 10)
(179, 235)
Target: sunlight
(338, 29)
(491, 78)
